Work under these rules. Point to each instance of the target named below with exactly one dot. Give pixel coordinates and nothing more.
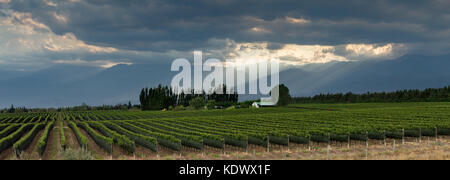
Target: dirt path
(6, 154)
(120, 154)
(71, 140)
(144, 153)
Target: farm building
(263, 104)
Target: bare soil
(71, 140)
(6, 153)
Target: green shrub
(197, 103)
(179, 108)
(211, 104)
(231, 108)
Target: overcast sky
(36, 34)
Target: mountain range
(68, 85)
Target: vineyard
(177, 131)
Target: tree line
(82, 107)
(427, 95)
(164, 97)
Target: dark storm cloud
(161, 25)
(70, 50)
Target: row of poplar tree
(164, 97)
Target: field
(302, 131)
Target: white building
(263, 104)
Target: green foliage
(231, 108)
(164, 97)
(82, 140)
(121, 140)
(145, 141)
(231, 137)
(8, 141)
(211, 104)
(197, 103)
(26, 140)
(157, 98)
(186, 140)
(42, 142)
(208, 139)
(9, 130)
(163, 139)
(285, 97)
(3, 126)
(246, 104)
(104, 142)
(62, 136)
(427, 95)
(240, 127)
(179, 108)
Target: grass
(73, 154)
(345, 150)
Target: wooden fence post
(367, 145)
(328, 147)
(112, 151)
(420, 135)
(224, 146)
(288, 143)
(328, 152)
(394, 146)
(309, 143)
(403, 136)
(246, 147)
(348, 144)
(436, 133)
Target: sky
(37, 34)
(40, 34)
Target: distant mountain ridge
(65, 85)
